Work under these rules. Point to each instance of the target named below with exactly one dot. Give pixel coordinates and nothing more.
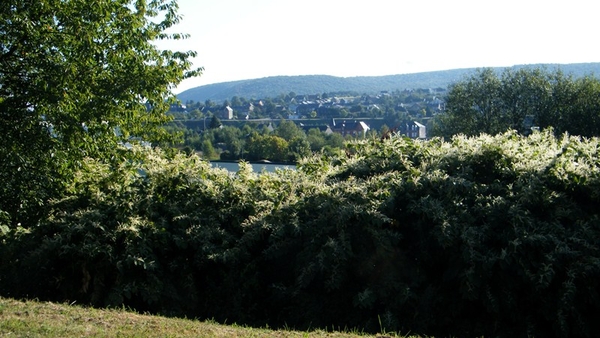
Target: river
(256, 167)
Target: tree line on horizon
(312, 84)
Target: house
(436, 104)
(244, 108)
(227, 113)
(292, 107)
(177, 107)
(350, 128)
(306, 108)
(413, 130)
(422, 130)
(280, 109)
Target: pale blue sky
(246, 39)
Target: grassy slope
(41, 319)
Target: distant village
(406, 112)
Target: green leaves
(76, 79)
(488, 235)
(518, 99)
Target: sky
(249, 39)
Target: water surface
(256, 167)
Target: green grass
(45, 319)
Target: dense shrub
(486, 236)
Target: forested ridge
(317, 84)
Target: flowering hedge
(490, 235)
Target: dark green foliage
(214, 122)
(75, 81)
(494, 236)
(519, 99)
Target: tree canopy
(491, 102)
(76, 79)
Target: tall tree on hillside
(76, 79)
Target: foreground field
(45, 319)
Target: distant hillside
(317, 84)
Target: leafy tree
(335, 140)
(487, 102)
(195, 114)
(269, 147)
(316, 139)
(215, 122)
(356, 108)
(76, 80)
(248, 128)
(235, 101)
(232, 139)
(276, 148)
(473, 105)
(384, 130)
(583, 108)
(269, 106)
(298, 148)
(208, 151)
(254, 147)
(192, 139)
(288, 130)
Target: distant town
(406, 111)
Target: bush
(476, 236)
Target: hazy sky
(246, 39)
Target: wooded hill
(317, 84)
